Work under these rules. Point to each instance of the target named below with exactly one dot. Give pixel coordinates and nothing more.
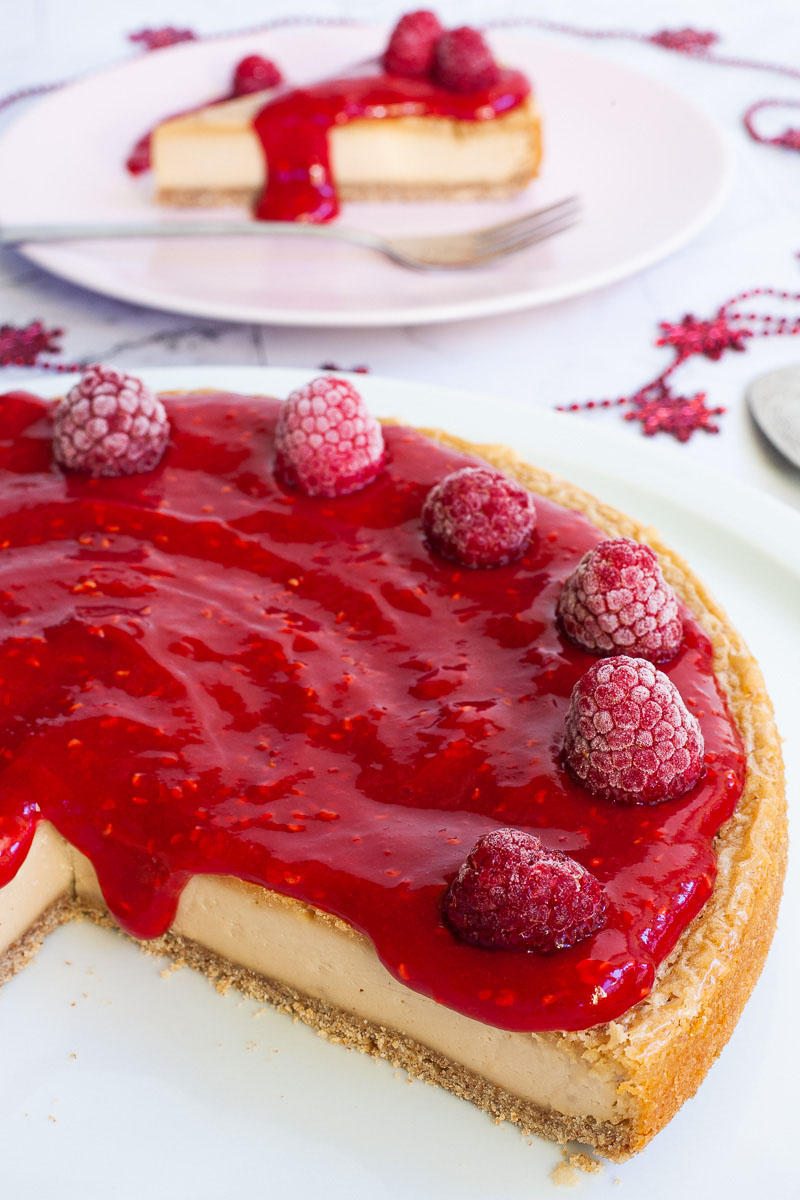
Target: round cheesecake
(273, 726)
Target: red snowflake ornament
(685, 41)
(711, 338)
(21, 347)
(659, 411)
(157, 39)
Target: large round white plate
(117, 1081)
(610, 136)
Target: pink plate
(607, 131)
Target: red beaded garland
(28, 93)
(789, 139)
(655, 406)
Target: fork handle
(15, 235)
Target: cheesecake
(217, 155)
(435, 118)
(258, 728)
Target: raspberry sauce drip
(294, 131)
(203, 672)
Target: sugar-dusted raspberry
(255, 74)
(616, 601)
(109, 424)
(411, 45)
(327, 442)
(629, 736)
(513, 894)
(479, 518)
(463, 61)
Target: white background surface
(730, 1140)
(121, 1083)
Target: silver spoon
(774, 401)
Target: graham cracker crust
(358, 193)
(24, 950)
(380, 1042)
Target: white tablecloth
(531, 356)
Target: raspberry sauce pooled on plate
(206, 671)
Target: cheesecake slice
(214, 157)
(434, 117)
(414, 141)
(255, 747)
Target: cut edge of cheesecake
(613, 1086)
(212, 157)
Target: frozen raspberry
(411, 45)
(513, 894)
(255, 74)
(109, 424)
(629, 736)
(327, 442)
(479, 518)
(463, 61)
(616, 601)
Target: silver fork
(433, 252)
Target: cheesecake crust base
(380, 1042)
(25, 949)
(367, 193)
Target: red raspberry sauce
(293, 130)
(204, 673)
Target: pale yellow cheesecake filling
(45, 877)
(217, 150)
(324, 959)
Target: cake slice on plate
(411, 739)
(214, 156)
(440, 121)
